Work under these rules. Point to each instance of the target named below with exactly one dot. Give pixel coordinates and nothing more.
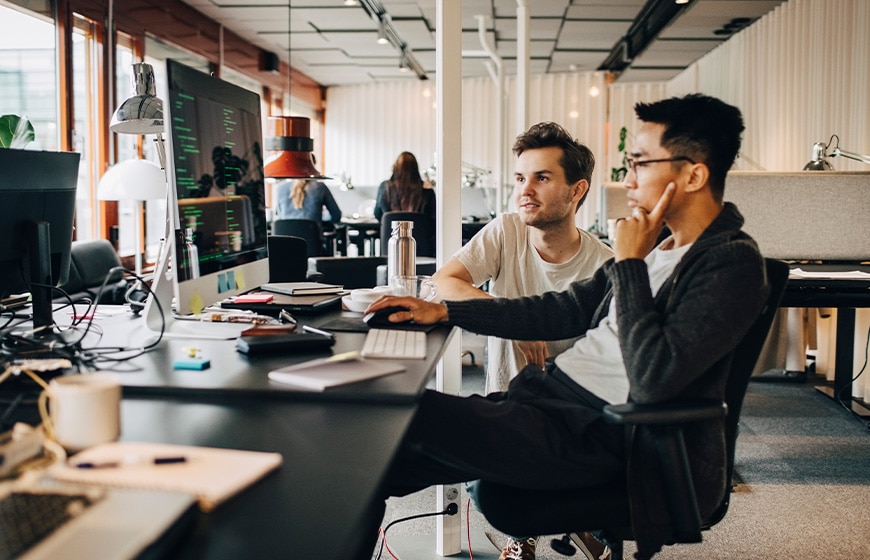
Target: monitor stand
(160, 317)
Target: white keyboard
(394, 343)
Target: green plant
(15, 131)
(618, 173)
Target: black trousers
(544, 432)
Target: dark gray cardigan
(676, 345)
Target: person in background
(405, 190)
(535, 250)
(305, 199)
(658, 322)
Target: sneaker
(519, 549)
(590, 546)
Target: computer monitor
(37, 208)
(216, 200)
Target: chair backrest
(309, 230)
(288, 258)
(423, 232)
(350, 272)
(743, 363)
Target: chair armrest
(671, 412)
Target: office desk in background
(845, 294)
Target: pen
(286, 317)
(118, 464)
(311, 329)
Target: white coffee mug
(85, 409)
(422, 287)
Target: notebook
(119, 523)
(211, 474)
(301, 288)
(335, 371)
(308, 304)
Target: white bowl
(368, 295)
(352, 305)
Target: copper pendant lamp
(293, 146)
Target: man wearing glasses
(658, 322)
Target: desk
(845, 295)
(366, 229)
(336, 445)
(314, 505)
(232, 373)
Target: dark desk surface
(336, 447)
(232, 373)
(314, 505)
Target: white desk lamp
(137, 180)
(819, 161)
(143, 112)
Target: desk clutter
(211, 474)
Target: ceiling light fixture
(387, 34)
(655, 16)
(382, 33)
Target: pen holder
(82, 410)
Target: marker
(119, 464)
(310, 329)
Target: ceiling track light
(655, 16)
(382, 33)
(387, 34)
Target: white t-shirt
(595, 360)
(502, 253)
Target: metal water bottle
(401, 251)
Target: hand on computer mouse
(381, 317)
(411, 309)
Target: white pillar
(448, 86)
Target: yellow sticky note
(196, 305)
(240, 280)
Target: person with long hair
(305, 199)
(405, 190)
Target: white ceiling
(336, 44)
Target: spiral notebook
(211, 474)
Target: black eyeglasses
(633, 164)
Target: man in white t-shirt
(535, 250)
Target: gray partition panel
(808, 215)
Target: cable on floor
(451, 509)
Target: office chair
(423, 232)
(350, 272)
(309, 230)
(288, 258)
(605, 510)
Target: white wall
(799, 74)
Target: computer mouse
(380, 318)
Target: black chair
(350, 272)
(606, 510)
(288, 258)
(423, 232)
(90, 262)
(309, 230)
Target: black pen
(308, 328)
(117, 464)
